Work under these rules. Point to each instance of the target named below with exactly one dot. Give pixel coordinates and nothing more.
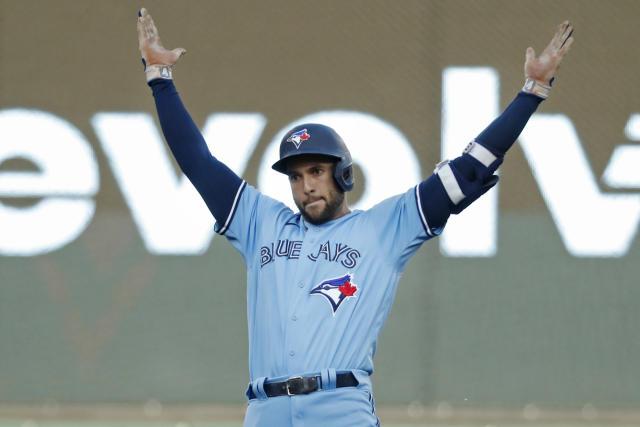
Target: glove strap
(537, 88)
(159, 72)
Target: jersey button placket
(292, 330)
(297, 406)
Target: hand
(151, 49)
(544, 68)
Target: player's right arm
(218, 185)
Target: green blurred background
(102, 321)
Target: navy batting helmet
(313, 138)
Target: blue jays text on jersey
(328, 251)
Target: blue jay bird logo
(336, 290)
(299, 137)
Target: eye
(294, 177)
(317, 171)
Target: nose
(308, 185)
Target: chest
(315, 268)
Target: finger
(179, 51)
(567, 37)
(142, 19)
(148, 25)
(151, 30)
(565, 47)
(558, 38)
(530, 55)
(141, 35)
(554, 43)
(152, 27)
(561, 53)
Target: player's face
(314, 190)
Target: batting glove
(158, 62)
(539, 72)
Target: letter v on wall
(591, 223)
(170, 215)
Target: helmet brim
(281, 165)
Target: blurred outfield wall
(106, 296)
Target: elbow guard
(469, 176)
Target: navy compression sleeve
(498, 137)
(218, 185)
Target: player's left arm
(455, 184)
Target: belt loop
(258, 388)
(329, 379)
(324, 379)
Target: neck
(342, 211)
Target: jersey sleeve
(400, 226)
(253, 215)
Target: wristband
(537, 88)
(159, 72)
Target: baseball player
(320, 282)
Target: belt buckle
(289, 385)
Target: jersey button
(301, 285)
(292, 353)
(294, 317)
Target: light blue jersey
(318, 295)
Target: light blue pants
(330, 406)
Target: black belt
(306, 385)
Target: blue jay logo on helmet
(299, 137)
(336, 290)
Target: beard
(332, 203)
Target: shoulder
(265, 204)
(393, 203)
(253, 207)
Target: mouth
(312, 203)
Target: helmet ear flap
(343, 174)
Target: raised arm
(455, 184)
(216, 183)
